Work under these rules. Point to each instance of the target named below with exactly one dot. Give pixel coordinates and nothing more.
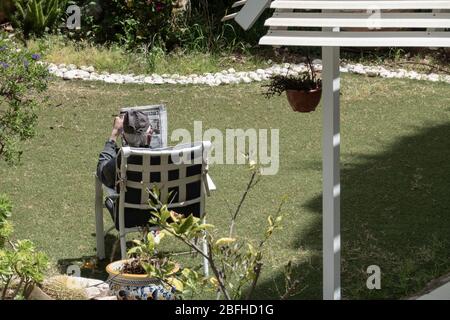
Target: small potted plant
(146, 275)
(303, 91)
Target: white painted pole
(331, 175)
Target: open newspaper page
(157, 115)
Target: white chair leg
(99, 228)
(123, 246)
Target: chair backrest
(178, 173)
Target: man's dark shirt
(106, 167)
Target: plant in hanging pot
(303, 91)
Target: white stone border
(231, 76)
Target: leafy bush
(161, 23)
(236, 264)
(5, 209)
(5, 213)
(22, 81)
(129, 22)
(21, 266)
(37, 16)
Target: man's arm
(106, 167)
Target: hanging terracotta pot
(304, 101)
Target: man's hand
(117, 128)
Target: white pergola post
(331, 174)
(287, 28)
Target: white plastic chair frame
(180, 153)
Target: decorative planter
(304, 101)
(136, 286)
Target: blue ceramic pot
(136, 286)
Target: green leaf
(224, 242)
(186, 225)
(176, 283)
(134, 250)
(270, 220)
(150, 242)
(5, 208)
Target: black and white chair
(180, 174)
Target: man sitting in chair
(135, 129)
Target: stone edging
(431, 286)
(231, 76)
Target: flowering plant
(21, 265)
(22, 78)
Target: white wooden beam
(239, 3)
(331, 174)
(251, 11)
(361, 5)
(360, 20)
(357, 39)
(229, 17)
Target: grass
(114, 58)
(395, 178)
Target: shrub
(129, 22)
(5, 213)
(37, 16)
(193, 25)
(21, 266)
(22, 81)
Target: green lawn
(395, 177)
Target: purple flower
(4, 65)
(26, 63)
(35, 56)
(3, 48)
(159, 7)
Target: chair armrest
(210, 183)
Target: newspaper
(157, 115)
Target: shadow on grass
(395, 214)
(90, 266)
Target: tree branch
(208, 257)
(257, 270)
(5, 289)
(250, 185)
